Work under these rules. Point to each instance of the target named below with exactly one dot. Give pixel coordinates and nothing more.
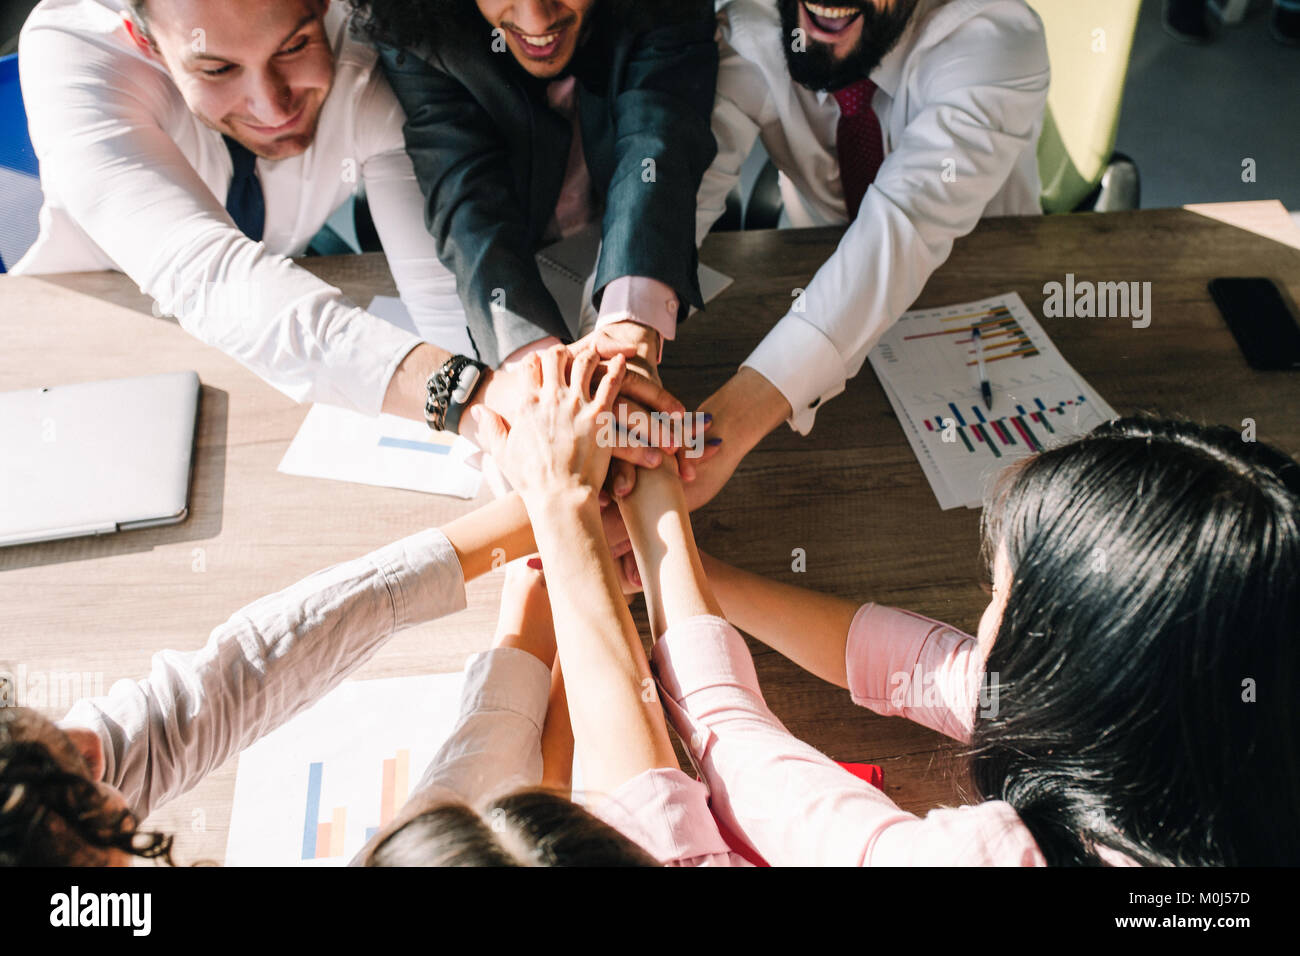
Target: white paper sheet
(310, 792)
(386, 450)
(926, 364)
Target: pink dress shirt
(796, 806)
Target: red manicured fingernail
(535, 563)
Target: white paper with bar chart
(928, 367)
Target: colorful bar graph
(322, 839)
(1013, 429)
(1002, 336)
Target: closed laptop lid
(96, 457)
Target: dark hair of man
(411, 23)
(51, 814)
(1146, 662)
(526, 828)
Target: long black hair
(1146, 661)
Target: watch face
(465, 384)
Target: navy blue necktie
(244, 201)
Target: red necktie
(858, 141)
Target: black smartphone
(1260, 321)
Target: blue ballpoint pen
(985, 388)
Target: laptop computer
(97, 457)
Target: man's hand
(505, 388)
(640, 345)
(554, 444)
(744, 411)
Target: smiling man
(198, 145)
(532, 120)
(903, 120)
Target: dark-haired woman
(1132, 695)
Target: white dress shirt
(960, 101)
(163, 734)
(135, 182)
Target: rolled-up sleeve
(496, 746)
(667, 814)
(905, 665)
(278, 655)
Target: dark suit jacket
(490, 155)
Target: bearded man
(906, 120)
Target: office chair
(1088, 45)
(20, 183)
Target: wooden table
(851, 494)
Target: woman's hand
(560, 437)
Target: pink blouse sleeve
(794, 805)
(902, 664)
(667, 814)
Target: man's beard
(817, 69)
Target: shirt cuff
(507, 679)
(381, 338)
(703, 651)
(667, 814)
(647, 302)
(804, 366)
(424, 577)
(902, 664)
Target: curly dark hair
(52, 815)
(407, 23)
(401, 22)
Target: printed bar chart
(324, 839)
(1006, 428)
(313, 791)
(321, 839)
(1001, 335)
(929, 370)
